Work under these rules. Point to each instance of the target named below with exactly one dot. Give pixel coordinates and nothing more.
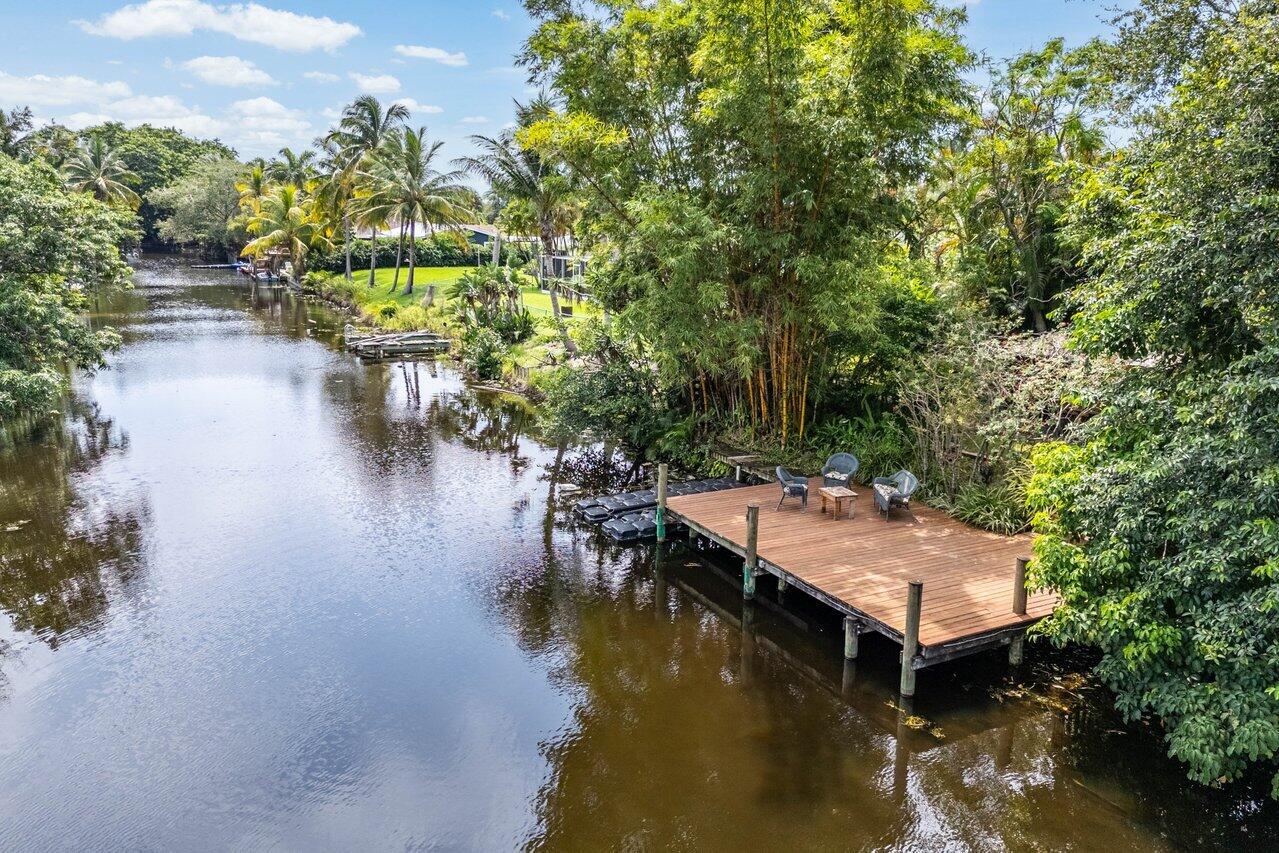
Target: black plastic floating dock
(638, 526)
(631, 516)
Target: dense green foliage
(741, 167)
(202, 208)
(157, 157)
(55, 246)
(991, 208)
(437, 250)
(1161, 528)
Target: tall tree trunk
(373, 257)
(497, 248)
(408, 288)
(548, 267)
(399, 258)
(346, 244)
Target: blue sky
(260, 75)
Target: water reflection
(68, 553)
(268, 596)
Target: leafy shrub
(1000, 507)
(879, 441)
(514, 327)
(445, 249)
(411, 319)
(482, 352)
(382, 310)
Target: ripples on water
(255, 594)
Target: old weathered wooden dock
(939, 587)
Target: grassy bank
(378, 306)
(368, 300)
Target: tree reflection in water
(66, 557)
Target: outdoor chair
(839, 470)
(894, 491)
(792, 487)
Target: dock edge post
(1019, 586)
(1016, 648)
(751, 566)
(663, 472)
(852, 629)
(910, 639)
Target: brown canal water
(255, 594)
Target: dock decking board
(863, 565)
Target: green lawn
(423, 277)
(538, 303)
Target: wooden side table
(838, 496)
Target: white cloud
(436, 54)
(254, 126)
(377, 84)
(40, 90)
(250, 22)
(475, 120)
(81, 120)
(263, 124)
(415, 107)
(227, 71)
(501, 15)
(321, 77)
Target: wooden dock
(865, 567)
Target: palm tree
(252, 186)
(293, 168)
(522, 174)
(364, 128)
(334, 193)
(404, 185)
(96, 169)
(286, 219)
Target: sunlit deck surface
(862, 566)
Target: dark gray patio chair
(839, 470)
(792, 487)
(894, 491)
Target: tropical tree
(57, 246)
(287, 220)
(334, 192)
(1160, 529)
(404, 185)
(203, 207)
(100, 171)
(521, 173)
(157, 155)
(1011, 179)
(742, 183)
(364, 128)
(252, 186)
(292, 167)
(14, 126)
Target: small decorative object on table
(838, 496)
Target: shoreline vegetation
(1052, 294)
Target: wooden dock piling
(851, 632)
(1016, 646)
(663, 471)
(1019, 586)
(910, 639)
(751, 566)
